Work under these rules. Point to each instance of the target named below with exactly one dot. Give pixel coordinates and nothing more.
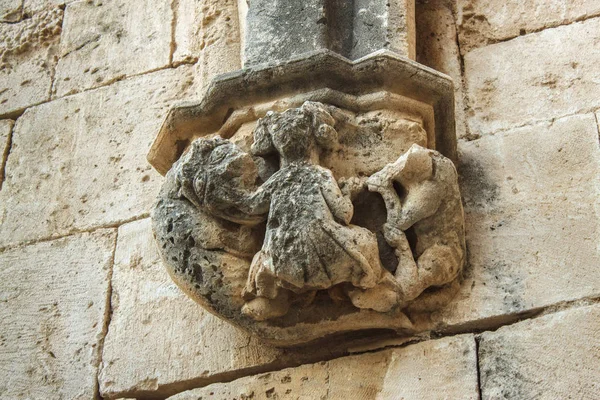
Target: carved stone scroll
(313, 222)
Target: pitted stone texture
(281, 250)
(285, 30)
(383, 24)
(353, 29)
(54, 301)
(27, 59)
(158, 337)
(208, 31)
(437, 369)
(11, 10)
(85, 157)
(6, 126)
(437, 48)
(482, 22)
(553, 357)
(531, 200)
(104, 41)
(557, 77)
(32, 6)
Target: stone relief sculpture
(266, 238)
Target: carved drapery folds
(312, 221)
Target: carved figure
(429, 203)
(309, 243)
(263, 240)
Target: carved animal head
(417, 165)
(296, 132)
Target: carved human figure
(309, 243)
(429, 203)
(218, 177)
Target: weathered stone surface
(278, 33)
(381, 81)
(437, 369)
(557, 77)
(382, 24)
(437, 48)
(104, 41)
(353, 29)
(11, 10)
(488, 21)
(6, 126)
(32, 6)
(158, 337)
(53, 300)
(421, 194)
(85, 157)
(553, 357)
(208, 32)
(271, 240)
(27, 58)
(531, 200)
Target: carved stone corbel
(314, 197)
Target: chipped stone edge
(383, 70)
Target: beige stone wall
(88, 311)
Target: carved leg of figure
(382, 298)
(407, 273)
(438, 265)
(262, 308)
(431, 301)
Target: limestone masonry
(361, 199)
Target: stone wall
(88, 311)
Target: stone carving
(267, 239)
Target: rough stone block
(54, 301)
(158, 337)
(80, 161)
(27, 59)
(436, 369)
(532, 78)
(104, 41)
(553, 357)
(11, 10)
(5, 133)
(31, 6)
(488, 21)
(208, 32)
(531, 200)
(437, 48)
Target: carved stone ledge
(230, 94)
(316, 219)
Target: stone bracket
(310, 74)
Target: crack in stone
(5, 154)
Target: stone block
(533, 78)
(11, 10)
(531, 200)
(482, 22)
(32, 6)
(27, 59)
(208, 32)
(54, 298)
(105, 41)
(553, 357)
(436, 369)
(80, 162)
(158, 337)
(437, 48)
(5, 133)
